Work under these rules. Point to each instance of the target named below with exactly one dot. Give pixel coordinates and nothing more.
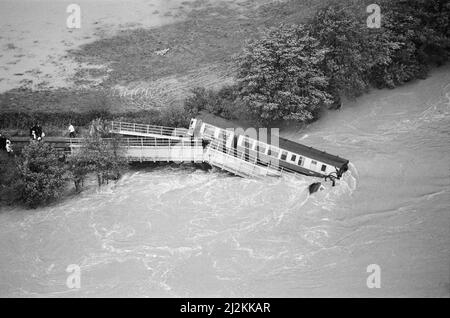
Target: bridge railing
(216, 146)
(245, 155)
(157, 142)
(154, 149)
(145, 142)
(124, 127)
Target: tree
(422, 29)
(79, 166)
(354, 49)
(196, 101)
(104, 158)
(279, 76)
(175, 116)
(222, 102)
(97, 154)
(42, 173)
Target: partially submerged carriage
(265, 149)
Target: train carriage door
(234, 144)
(222, 140)
(247, 146)
(230, 138)
(313, 165)
(192, 127)
(198, 125)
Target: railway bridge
(151, 143)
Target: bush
(353, 49)
(175, 116)
(223, 102)
(96, 155)
(23, 121)
(42, 173)
(421, 29)
(413, 35)
(197, 101)
(79, 166)
(56, 123)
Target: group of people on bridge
(36, 132)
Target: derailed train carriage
(272, 150)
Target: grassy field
(208, 38)
(200, 53)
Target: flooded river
(184, 232)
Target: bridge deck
(154, 149)
(142, 130)
(238, 162)
(215, 153)
(157, 143)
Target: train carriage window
(272, 152)
(301, 161)
(324, 168)
(284, 155)
(247, 144)
(261, 148)
(293, 158)
(192, 126)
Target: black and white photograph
(224, 149)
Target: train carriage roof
(312, 153)
(306, 151)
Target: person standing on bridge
(8, 146)
(39, 133)
(33, 132)
(71, 131)
(2, 142)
